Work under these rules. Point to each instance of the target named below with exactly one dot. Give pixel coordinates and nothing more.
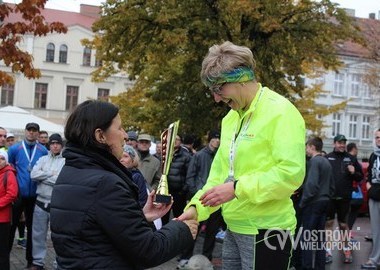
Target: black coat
(96, 220)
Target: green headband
(240, 74)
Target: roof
(68, 18)
(370, 28)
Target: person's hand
(351, 169)
(193, 226)
(153, 211)
(218, 195)
(368, 185)
(190, 214)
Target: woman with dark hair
(96, 219)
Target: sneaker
(329, 258)
(182, 264)
(21, 243)
(368, 238)
(369, 265)
(347, 256)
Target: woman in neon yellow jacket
(260, 162)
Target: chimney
(91, 11)
(350, 12)
(372, 16)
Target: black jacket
(178, 170)
(199, 169)
(96, 220)
(342, 177)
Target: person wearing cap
(8, 194)
(346, 169)
(132, 139)
(45, 174)
(259, 163)
(10, 139)
(196, 177)
(150, 166)
(23, 156)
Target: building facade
(66, 66)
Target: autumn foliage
(32, 23)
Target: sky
(362, 7)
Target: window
(71, 97)
(63, 54)
(338, 84)
(355, 84)
(40, 95)
(352, 126)
(103, 94)
(87, 56)
(336, 124)
(367, 91)
(366, 127)
(7, 94)
(50, 52)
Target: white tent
(14, 119)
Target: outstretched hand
(153, 211)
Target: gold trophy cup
(167, 140)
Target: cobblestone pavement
(361, 228)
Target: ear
(99, 136)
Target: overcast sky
(362, 7)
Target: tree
(31, 22)
(161, 44)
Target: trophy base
(161, 198)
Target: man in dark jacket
(196, 178)
(317, 191)
(346, 169)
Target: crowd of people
(255, 178)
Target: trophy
(167, 140)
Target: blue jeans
(264, 251)
(314, 218)
(41, 220)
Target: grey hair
(224, 58)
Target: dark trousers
(26, 205)
(296, 260)
(353, 214)
(214, 222)
(179, 203)
(5, 229)
(314, 218)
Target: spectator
(23, 156)
(45, 174)
(196, 177)
(346, 169)
(43, 138)
(10, 139)
(158, 153)
(150, 167)
(107, 228)
(317, 192)
(132, 139)
(260, 162)
(8, 194)
(373, 187)
(3, 138)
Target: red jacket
(8, 194)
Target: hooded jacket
(269, 164)
(8, 192)
(96, 219)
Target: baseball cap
(32, 125)
(10, 135)
(132, 135)
(214, 134)
(339, 138)
(55, 138)
(144, 137)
